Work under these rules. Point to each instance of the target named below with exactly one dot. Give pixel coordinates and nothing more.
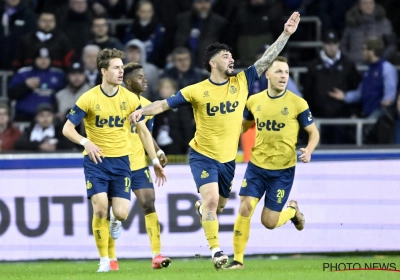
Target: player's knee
(269, 224)
(100, 213)
(210, 204)
(121, 215)
(148, 207)
(245, 209)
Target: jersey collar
(109, 95)
(221, 84)
(274, 97)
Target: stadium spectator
(199, 28)
(44, 134)
(46, 36)
(364, 21)
(377, 90)
(101, 37)
(136, 52)
(17, 20)
(333, 13)
(331, 69)
(114, 9)
(258, 22)
(34, 85)
(183, 71)
(150, 31)
(8, 132)
(76, 22)
(173, 129)
(89, 56)
(77, 85)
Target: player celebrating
(141, 182)
(218, 105)
(278, 114)
(104, 110)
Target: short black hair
(130, 67)
(212, 50)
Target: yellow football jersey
(138, 156)
(106, 119)
(218, 112)
(277, 120)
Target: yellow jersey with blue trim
(106, 119)
(277, 121)
(218, 111)
(138, 157)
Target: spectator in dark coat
(17, 20)
(199, 28)
(46, 36)
(183, 71)
(174, 128)
(9, 134)
(101, 37)
(43, 134)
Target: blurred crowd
(51, 47)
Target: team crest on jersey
(97, 108)
(244, 183)
(88, 185)
(72, 112)
(285, 111)
(258, 108)
(232, 89)
(206, 94)
(204, 174)
(123, 105)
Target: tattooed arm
(155, 108)
(273, 51)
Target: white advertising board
(349, 206)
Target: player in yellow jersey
(141, 181)
(218, 105)
(104, 110)
(278, 114)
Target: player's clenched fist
(135, 116)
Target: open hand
(305, 155)
(94, 152)
(161, 178)
(292, 23)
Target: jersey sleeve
(251, 76)
(79, 111)
(247, 115)
(178, 99)
(142, 117)
(304, 117)
(150, 124)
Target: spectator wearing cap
(8, 132)
(331, 69)
(101, 37)
(46, 36)
(377, 89)
(34, 85)
(199, 28)
(77, 85)
(16, 20)
(367, 20)
(44, 134)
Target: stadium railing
(358, 123)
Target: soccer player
(278, 114)
(218, 105)
(141, 182)
(104, 110)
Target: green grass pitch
(275, 268)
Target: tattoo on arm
(210, 216)
(155, 108)
(271, 53)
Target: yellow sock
(153, 231)
(241, 233)
(285, 216)
(211, 231)
(101, 233)
(112, 253)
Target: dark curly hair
(212, 50)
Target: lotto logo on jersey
(269, 125)
(224, 107)
(111, 121)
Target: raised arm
(155, 108)
(273, 51)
